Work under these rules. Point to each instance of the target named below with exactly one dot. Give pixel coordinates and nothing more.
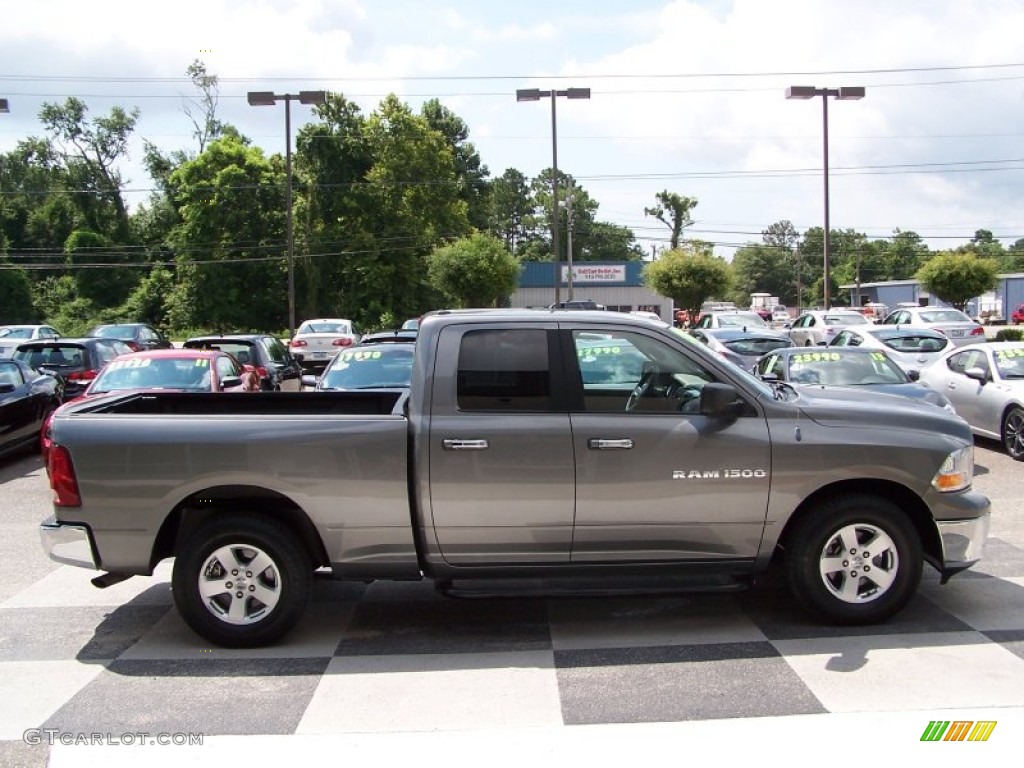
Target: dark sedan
(277, 369)
(138, 336)
(27, 398)
(845, 367)
(76, 361)
(742, 346)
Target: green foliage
(15, 293)
(956, 278)
(763, 269)
(60, 305)
(673, 210)
(475, 271)
(510, 215)
(1010, 334)
(689, 276)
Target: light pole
(535, 94)
(268, 99)
(843, 94)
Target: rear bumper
(68, 544)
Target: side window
(226, 368)
(975, 358)
(842, 340)
(957, 363)
(504, 370)
(630, 372)
(274, 350)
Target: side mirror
(787, 326)
(719, 400)
(308, 380)
(5, 388)
(978, 374)
(913, 374)
(230, 381)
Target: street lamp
(843, 94)
(535, 94)
(268, 99)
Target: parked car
(731, 318)
(1017, 316)
(176, 370)
(845, 367)
(27, 398)
(138, 336)
(76, 360)
(13, 335)
(960, 329)
(316, 342)
(909, 348)
(654, 317)
(780, 315)
(412, 324)
(985, 383)
(817, 327)
(742, 346)
(385, 363)
(277, 368)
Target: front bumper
(68, 544)
(963, 536)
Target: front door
(655, 480)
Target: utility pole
(568, 227)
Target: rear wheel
(854, 561)
(242, 582)
(1013, 433)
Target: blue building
(619, 286)
(1006, 296)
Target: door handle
(464, 445)
(602, 444)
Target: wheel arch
(912, 505)
(194, 510)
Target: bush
(1010, 334)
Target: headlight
(956, 472)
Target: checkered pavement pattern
(399, 658)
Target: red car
(180, 370)
(1018, 315)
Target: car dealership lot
(393, 666)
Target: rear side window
(504, 370)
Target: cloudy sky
(687, 95)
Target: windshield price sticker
(1007, 353)
(589, 355)
(359, 357)
(136, 363)
(817, 357)
(201, 362)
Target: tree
(763, 268)
(469, 170)
(476, 271)
(956, 278)
(15, 292)
(673, 210)
(97, 273)
(230, 242)
(90, 152)
(203, 113)
(511, 208)
(689, 276)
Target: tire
(1013, 433)
(215, 566)
(853, 590)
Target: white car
(731, 318)
(13, 335)
(316, 342)
(960, 329)
(985, 383)
(910, 348)
(817, 327)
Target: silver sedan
(985, 383)
(960, 329)
(910, 348)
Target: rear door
(655, 480)
(501, 463)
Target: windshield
(15, 333)
(740, 320)
(851, 318)
(913, 342)
(113, 332)
(370, 368)
(185, 374)
(1010, 362)
(325, 328)
(844, 367)
(50, 355)
(755, 346)
(944, 316)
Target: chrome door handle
(601, 444)
(464, 445)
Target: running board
(492, 588)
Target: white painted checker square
(435, 692)
(31, 691)
(904, 672)
(70, 586)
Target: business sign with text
(594, 273)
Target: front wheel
(1013, 433)
(854, 561)
(242, 582)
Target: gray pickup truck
(551, 450)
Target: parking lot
(396, 672)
